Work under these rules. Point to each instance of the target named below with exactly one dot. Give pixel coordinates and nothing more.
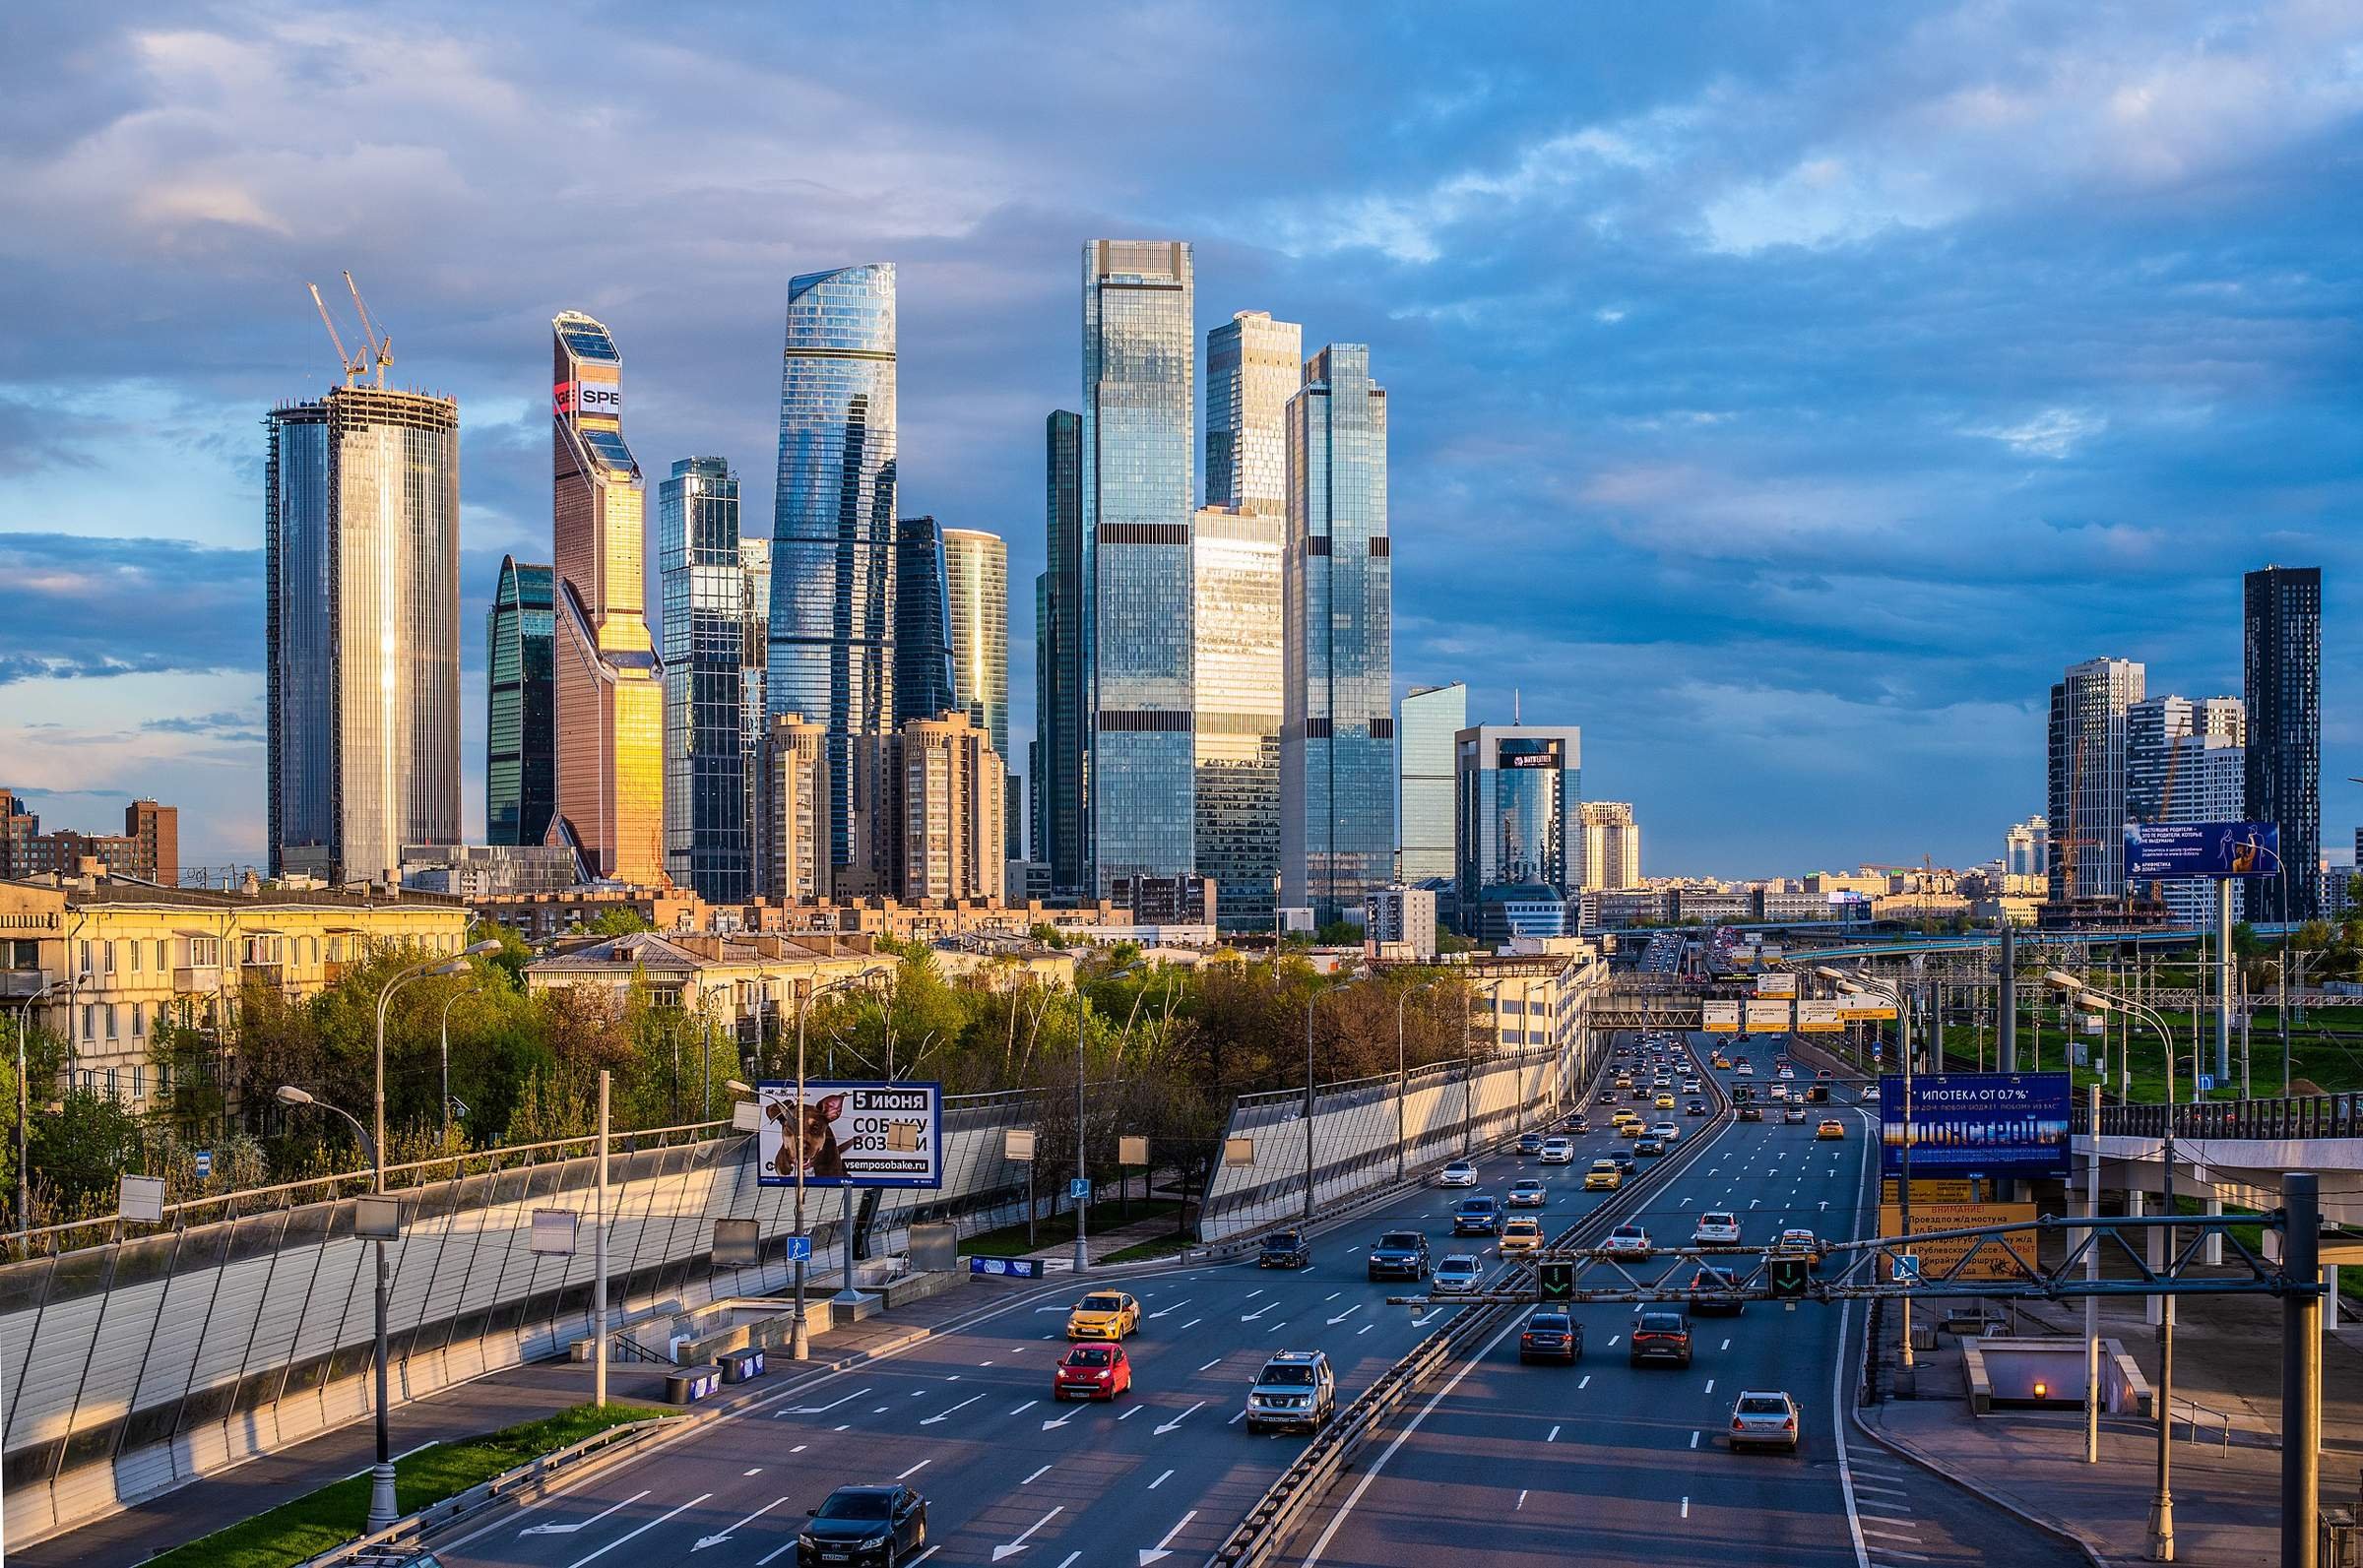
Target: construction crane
(2174, 760)
(381, 350)
(351, 364)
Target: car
(1284, 1249)
(1622, 1158)
(862, 1524)
(1830, 1127)
(1697, 1107)
(1716, 1228)
(1576, 1123)
(1093, 1372)
(1660, 1336)
(1103, 1315)
(1399, 1255)
(1458, 1274)
(1818, 1093)
(1521, 1235)
(1527, 1194)
(1295, 1387)
(1649, 1146)
(1603, 1175)
(1750, 1113)
(1608, 1097)
(1788, 1072)
(1477, 1217)
(1459, 1173)
(1664, 1102)
(1795, 1114)
(1530, 1143)
(1764, 1418)
(1559, 1151)
(1798, 1241)
(1690, 1084)
(1625, 1080)
(1665, 1132)
(1823, 1075)
(1717, 1290)
(1640, 1097)
(1551, 1335)
(1635, 1128)
(1743, 1070)
(1779, 1095)
(1722, 1060)
(1627, 1240)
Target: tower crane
(381, 350)
(351, 364)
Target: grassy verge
(1162, 1246)
(1058, 1229)
(326, 1519)
(2325, 1052)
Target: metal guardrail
(2224, 1419)
(2299, 1116)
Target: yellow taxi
(1623, 1114)
(1830, 1127)
(1722, 1060)
(1603, 1175)
(1665, 1103)
(1103, 1315)
(1521, 1235)
(1625, 1080)
(1635, 1128)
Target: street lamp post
(444, 1031)
(24, 1112)
(799, 1335)
(1082, 1175)
(1892, 992)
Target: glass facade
(1056, 770)
(611, 707)
(362, 565)
(2282, 667)
(1430, 717)
(707, 845)
(1337, 737)
(754, 622)
(1518, 787)
(976, 579)
(1236, 669)
(1139, 362)
(1254, 366)
(922, 631)
(521, 710)
(2087, 746)
(833, 535)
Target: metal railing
(2223, 1420)
(2298, 1116)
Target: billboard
(1938, 1259)
(850, 1134)
(1819, 1018)
(1768, 1018)
(1866, 1008)
(1781, 983)
(2169, 850)
(1982, 1124)
(1719, 1018)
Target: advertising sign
(1866, 1009)
(1768, 1018)
(1983, 1124)
(1820, 1017)
(554, 1229)
(1776, 982)
(599, 398)
(1719, 1018)
(1003, 1269)
(1944, 1189)
(850, 1134)
(1938, 1259)
(2172, 850)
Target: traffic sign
(1908, 1268)
(799, 1248)
(2207, 1083)
(204, 1165)
(1554, 1282)
(1788, 1276)
(1078, 1188)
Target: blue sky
(1782, 392)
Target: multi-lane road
(1530, 1464)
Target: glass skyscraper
(361, 629)
(1237, 670)
(1430, 717)
(1139, 362)
(521, 715)
(707, 843)
(976, 578)
(2282, 676)
(1517, 788)
(1056, 769)
(923, 629)
(1337, 737)
(754, 624)
(833, 537)
(2088, 752)
(1254, 366)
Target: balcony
(22, 984)
(197, 977)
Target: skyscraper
(2087, 776)
(1430, 717)
(924, 684)
(1236, 671)
(521, 715)
(754, 657)
(951, 793)
(2155, 728)
(1516, 787)
(1611, 845)
(707, 846)
(2281, 675)
(833, 535)
(361, 564)
(976, 575)
(1337, 737)
(1134, 443)
(2025, 853)
(1055, 766)
(1254, 366)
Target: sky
(1784, 392)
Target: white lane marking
(1521, 1500)
(1342, 1316)
(1134, 1411)
(1896, 1514)
(881, 1410)
(1693, 1439)
(757, 1471)
(1011, 1548)
(823, 1410)
(1064, 1416)
(985, 1363)
(1164, 1428)
(925, 1555)
(1175, 1307)
(1252, 1294)
(420, 1449)
(1861, 1485)
(1613, 1338)
(1261, 1311)
(798, 1448)
(721, 1536)
(1193, 1323)
(945, 1415)
(1586, 1383)
(1217, 1362)
(642, 1531)
(954, 1378)
(1150, 1554)
(1331, 1296)
(1069, 1561)
(1873, 1529)
(847, 1427)
(1364, 1329)
(916, 1392)
(1553, 1436)
(1235, 1420)
(568, 1529)
(915, 1470)
(1022, 1408)
(1036, 1476)
(1710, 1384)
(1161, 1480)
(1685, 1508)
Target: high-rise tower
(1430, 717)
(2281, 666)
(976, 579)
(2088, 746)
(521, 712)
(708, 845)
(1254, 366)
(1056, 770)
(922, 626)
(1236, 669)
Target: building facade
(754, 659)
(793, 793)
(707, 843)
(1139, 365)
(833, 529)
(361, 629)
(148, 847)
(2155, 728)
(976, 581)
(1516, 789)
(1337, 734)
(2086, 746)
(521, 710)
(1055, 763)
(1254, 366)
(1430, 717)
(1236, 672)
(611, 692)
(2281, 677)
(1612, 844)
(924, 682)
(951, 810)
(1401, 917)
(2026, 855)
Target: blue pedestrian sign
(799, 1248)
(204, 1165)
(1078, 1188)
(1908, 1268)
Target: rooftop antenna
(381, 350)
(351, 364)
(1515, 718)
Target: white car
(1779, 1093)
(1459, 1173)
(1744, 1070)
(1788, 1072)
(1558, 1151)
(1627, 1240)
(1457, 1275)
(1665, 1132)
(1764, 1418)
(1717, 1227)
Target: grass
(1058, 1229)
(322, 1520)
(1162, 1246)
(2325, 1050)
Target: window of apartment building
(85, 958)
(139, 1020)
(110, 1021)
(139, 1083)
(89, 1021)
(163, 954)
(135, 956)
(164, 1078)
(107, 958)
(204, 952)
(18, 954)
(335, 950)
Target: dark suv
(1551, 1335)
(1530, 1143)
(1477, 1217)
(1399, 1255)
(1284, 1249)
(1662, 1337)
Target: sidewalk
(500, 1399)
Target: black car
(1550, 1336)
(1477, 1217)
(1577, 1123)
(874, 1527)
(1661, 1336)
(1715, 1292)
(1530, 1143)
(1649, 1146)
(1697, 1107)
(1399, 1255)
(1751, 1113)
(1623, 1159)
(1284, 1249)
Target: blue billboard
(2168, 850)
(1976, 1124)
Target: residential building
(1254, 366)
(1538, 995)
(975, 576)
(521, 710)
(1055, 764)
(1236, 670)
(610, 693)
(2211, 784)
(490, 870)
(1337, 734)
(951, 802)
(1134, 480)
(924, 681)
(2154, 726)
(708, 845)
(1168, 900)
(361, 631)
(743, 985)
(794, 810)
(1430, 715)
(1612, 844)
(1712, 906)
(2087, 744)
(2281, 678)
(2026, 854)
(1400, 918)
(147, 849)
(833, 531)
(1516, 789)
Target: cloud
(2053, 433)
(94, 607)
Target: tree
(622, 920)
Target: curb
(1913, 1457)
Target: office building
(2027, 856)
(1337, 735)
(1509, 912)
(924, 682)
(976, 576)
(707, 846)
(794, 794)
(1612, 844)
(1402, 917)
(2155, 728)
(2086, 746)
(1140, 353)
(2211, 784)
(754, 661)
(1430, 717)
(833, 530)
(1236, 671)
(1055, 767)
(361, 629)
(147, 849)
(2281, 678)
(521, 712)
(950, 782)
(1516, 789)
(1254, 366)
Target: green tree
(622, 920)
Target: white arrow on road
(948, 1414)
(1259, 1311)
(1070, 1415)
(823, 1410)
(1347, 1313)
(1011, 1548)
(568, 1529)
(592, 1556)
(1752, 1201)
(1183, 1416)
(1826, 1203)
(1149, 1554)
(703, 1541)
(1169, 1312)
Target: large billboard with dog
(850, 1134)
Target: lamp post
(1893, 994)
(24, 1113)
(444, 1031)
(799, 1338)
(1312, 1000)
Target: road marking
(985, 1363)
(1521, 1500)
(1613, 1338)
(1217, 1362)
(881, 1410)
(1586, 1383)
(1693, 1439)
(1726, 1344)
(703, 1541)
(1710, 1384)
(1175, 1307)
(1064, 1416)
(420, 1449)
(1331, 1296)
(1012, 1547)
(568, 1529)
(798, 1448)
(915, 1470)
(1685, 1508)
(1235, 1420)
(1342, 1316)
(954, 1378)
(1191, 1324)
(1168, 1426)
(1897, 1510)
(945, 1415)
(1261, 1311)
(1873, 1486)
(1036, 1476)
(1134, 1411)
(1161, 1480)
(823, 1410)
(1364, 1329)
(916, 1392)
(1252, 1294)
(757, 1471)
(1022, 1408)
(1069, 1561)
(1553, 1436)
(1150, 1554)
(847, 1427)
(642, 1531)
(1873, 1529)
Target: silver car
(1764, 1418)
(1457, 1275)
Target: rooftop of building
(691, 950)
(89, 889)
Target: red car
(1093, 1372)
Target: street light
(800, 1336)
(443, 1028)
(1893, 994)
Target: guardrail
(2222, 1419)
(2298, 1116)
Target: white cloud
(2053, 433)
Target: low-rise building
(1400, 917)
(1527, 999)
(746, 984)
(490, 870)
(148, 847)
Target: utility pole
(2092, 1272)
(599, 1259)
(2009, 1047)
(2301, 1370)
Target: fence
(2299, 1116)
